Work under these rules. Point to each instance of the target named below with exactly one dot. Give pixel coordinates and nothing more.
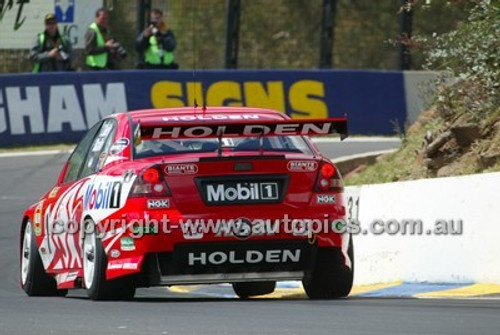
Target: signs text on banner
(306, 97)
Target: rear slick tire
(95, 263)
(330, 277)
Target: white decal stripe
(111, 233)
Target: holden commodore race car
(191, 196)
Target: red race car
(192, 196)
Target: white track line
(35, 153)
(356, 139)
(364, 154)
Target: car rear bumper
(268, 262)
(162, 258)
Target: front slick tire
(95, 263)
(250, 289)
(330, 277)
(34, 280)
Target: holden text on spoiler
(248, 129)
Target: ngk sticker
(305, 166)
(175, 169)
(158, 203)
(325, 199)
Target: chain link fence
(278, 34)
(285, 34)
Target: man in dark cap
(51, 50)
(101, 49)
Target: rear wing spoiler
(156, 130)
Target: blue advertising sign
(60, 107)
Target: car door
(60, 250)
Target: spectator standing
(101, 49)
(156, 44)
(51, 50)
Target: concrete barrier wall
(472, 256)
(420, 91)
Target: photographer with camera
(102, 50)
(156, 44)
(51, 50)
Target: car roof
(159, 114)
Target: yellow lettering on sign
(224, 93)
(167, 94)
(257, 96)
(305, 98)
(194, 91)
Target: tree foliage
(472, 54)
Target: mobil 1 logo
(218, 193)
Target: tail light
(329, 179)
(151, 183)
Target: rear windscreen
(294, 144)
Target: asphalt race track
(159, 311)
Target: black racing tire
(100, 288)
(330, 278)
(36, 283)
(250, 289)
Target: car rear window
(149, 148)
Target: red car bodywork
(164, 258)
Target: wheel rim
(26, 253)
(89, 248)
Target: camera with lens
(153, 28)
(120, 51)
(64, 55)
